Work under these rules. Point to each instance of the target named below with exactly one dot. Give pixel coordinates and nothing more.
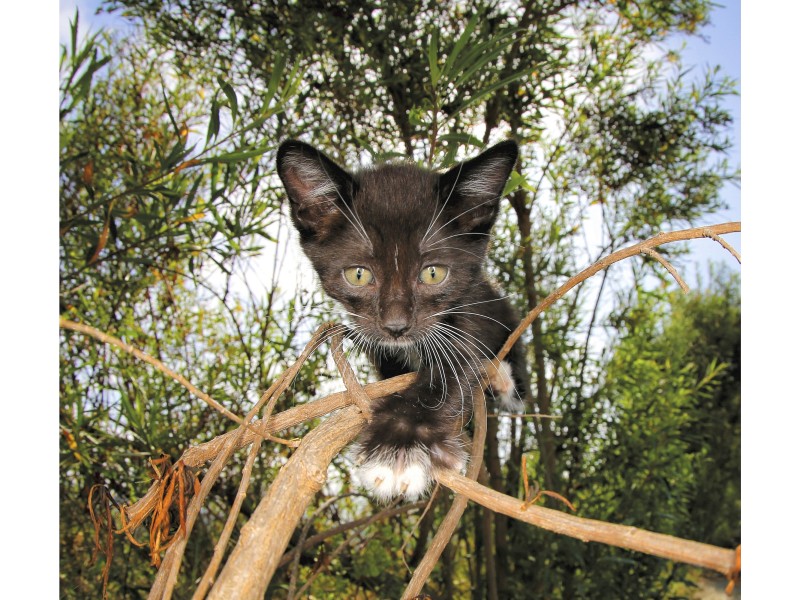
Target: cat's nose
(396, 327)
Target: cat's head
(397, 245)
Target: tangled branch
(263, 540)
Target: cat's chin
(404, 344)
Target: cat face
(398, 246)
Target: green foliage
(168, 196)
(143, 210)
(663, 453)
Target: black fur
(395, 220)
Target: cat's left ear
(472, 189)
(319, 190)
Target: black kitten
(402, 249)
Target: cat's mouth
(397, 343)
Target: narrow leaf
(233, 102)
(233, 157)
(213, 121)
(275, 78)
(459, 46)
(433, 51)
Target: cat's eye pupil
(358, 276)
(433, 274)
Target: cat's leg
(503, 387)
(410, 433)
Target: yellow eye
(358, 276)
(433, 274)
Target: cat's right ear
(318, 189)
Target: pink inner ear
(298, 188)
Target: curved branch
(668, 266)
(264, 538)
(604, 263)
(197, 456)
(111, 340)
(363, 523)
(723, 243)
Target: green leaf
(232, 157)
(176, 155)
(433, 51)
(477, 58)
(73, 26)
(488, 90)
(213, 121)
(415, 117)
(459, 46)
(278, 68)
(233, 102)
(462, 138)
(516, 180)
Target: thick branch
(197, 456)
(264, 538)
(589, 530)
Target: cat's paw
(502, 387)
(387, 473)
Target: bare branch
(111, 340)
(668, 266)
(722, 560)
(316, 540)
(263, 539)
(168, 572)
(453, 516)
(290, 594)
(708, 233)
(198, 455)
(167, 575)
(604, 263)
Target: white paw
(501, 382)
(405, 472)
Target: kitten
(402, 249)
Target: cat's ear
(471, 190)
(318, 189)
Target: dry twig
(604, 263)
(111, 340)
(708, 233)
(722, 560)
(363, 523)
(453, 516)
(668, 266)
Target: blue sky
(720, 44)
